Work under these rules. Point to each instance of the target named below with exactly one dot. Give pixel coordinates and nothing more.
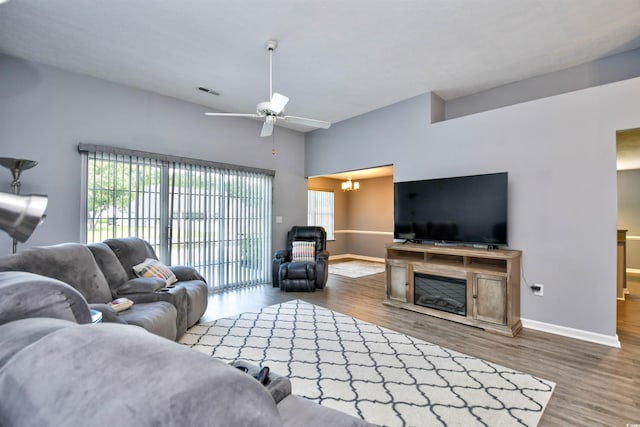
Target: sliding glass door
(214, 217)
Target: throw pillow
(303, 251)
(154, 268)
(121, 304)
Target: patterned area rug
(355, 269)
(382, 376)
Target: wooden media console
(490, 300)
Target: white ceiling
(337, 59)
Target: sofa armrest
(186, 273)
(140, 285)
(24, 295)
(277, 385)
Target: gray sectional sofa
(102, 272)
(57, 368)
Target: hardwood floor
(596, 385)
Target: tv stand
(492, 282)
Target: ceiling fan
(272, 111)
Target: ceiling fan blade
(307, 122)
(267, 128)
(252, 115)
(278, 102)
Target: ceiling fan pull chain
(273, 143)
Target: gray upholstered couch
(56, 368)
(102, 272)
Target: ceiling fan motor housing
(264, 110)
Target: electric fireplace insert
(440, 293)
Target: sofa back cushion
(131, 251)
(110, 265)
(71, 263)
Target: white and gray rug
(355, 269)
(382, 376)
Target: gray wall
(607, 70)
(560, 153)
(629, 213)
(45, 112)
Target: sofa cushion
(71, 263)
(20, 333)
(153, 268)
(156, 317)
(69, 377)
(109, 264)
(131, 251)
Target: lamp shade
(20, 215)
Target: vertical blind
(320, 210)
(211, 216)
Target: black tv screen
(466, 209)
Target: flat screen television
(465, 210)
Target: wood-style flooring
(596, 385)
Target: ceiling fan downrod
(271, 45)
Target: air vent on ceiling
(211, 91)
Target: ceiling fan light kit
(271, 111)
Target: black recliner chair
(291, 272)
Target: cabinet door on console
(397, 280)
(490, 299)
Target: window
(214, 217)
(320, 210)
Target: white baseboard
(608, 340)
(353, 256)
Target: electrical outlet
(539, 292)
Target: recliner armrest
(186, 273)
(322, 256)
(279, 258)
(140, 285)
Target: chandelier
(348, 185)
